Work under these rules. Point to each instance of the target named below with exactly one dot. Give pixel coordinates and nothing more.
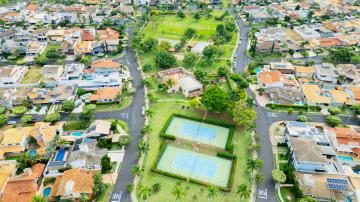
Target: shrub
(2, 110)
(26, 119)
(225, 155)
(278, 176)
(3, 119)
(334, 110)
(105, 164)
(302, 118)
(68, 106)
(104, 143)
(49, 180)
(156, 188)
(19, 110)
(52, 117)
(290, 110)
(333, 120)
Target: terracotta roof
(108, 34)
(313, 94)
(105, 93)
(75, 181)
(32, 6)
(355, 91)
(37, 170)
(302, 69)
(346, 136)
(105, 64)
(340, 96)
(270, 77)
(86, 35)
(329, 42)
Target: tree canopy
(215, 99)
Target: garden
(164, 187)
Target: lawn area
(282, 166)
(282, 156)
(193, 192)
(75, 125)
(111, 107)
(172, 27)
(32, 76)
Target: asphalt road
(136, 122)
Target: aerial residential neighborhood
(222, 100)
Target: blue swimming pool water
(60, 155)
(195, 165)
(257, 70)
(47, 192)
(32, 152)
(77, 133)
(345, 158)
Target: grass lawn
(111, 107)
(282, 156)
(193, 192)
(75, 125)
(282, 166)
(12, 158)
(32, 76)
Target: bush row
(295, 107)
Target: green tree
(202, 76)
(197, 16)
(53, 117)
(137, 170)
(259, 177)
(215, 99)
(181, 14)
(164, 59)
(98, 186)
(142, 148)
(87, 115)
(68, 106)
(302, 118)
(243, 191)
(190, 60)
(148, 45)
(223, 71)
(105, 164)
(178, 193)
(3, 119)
(189, 33)
(39, 199)
(253, 164)
(210, 51)
(333, 120)
(242, 114)
(341, 54)
(52, 53)
(26, 119)
(19, 110)
(144, 192)
(334, 110)
(278, 176)
(307, 199)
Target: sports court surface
(194, 165)
(198, 132)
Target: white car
(11, 122)
(138, 68)
(235, 55)
(239, 42)
(234, 63)
(143, 110)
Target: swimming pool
(47, 192)
(194, 165)
(32, 152)
(77, 133)
(257, 70)
(345, 158)
(60, 155)
(196, 131)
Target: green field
(33, 75)
(170, 27)
(193, 192)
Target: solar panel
(76, 147)
(56, 163)
(88, 140)
(337, 184)
(78, 141)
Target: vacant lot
(32, 76)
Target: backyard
(171, 28)
(32, 76)
(162, 111)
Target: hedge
(162, 148)
(227, 189)
(295, 107)
(225, 155)
(167, 136)
(232, 173)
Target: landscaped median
(164, 165)
(293, 108)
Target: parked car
(138, 68)
(11, 122)
(143, 110)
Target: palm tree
(62, 143)
(147, 129)
(178, 193)
(304, 43)
(243, 191)
(252, 127)
(212, 192)
(84, 197)
(137, 170)
(169, 83)
(143, 147)
(341, 78)
(144, 192)
(253, 164)
(149, 113)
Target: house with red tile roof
(105, 95)
(346, 141)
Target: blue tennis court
(194, 165)
(198, 132)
